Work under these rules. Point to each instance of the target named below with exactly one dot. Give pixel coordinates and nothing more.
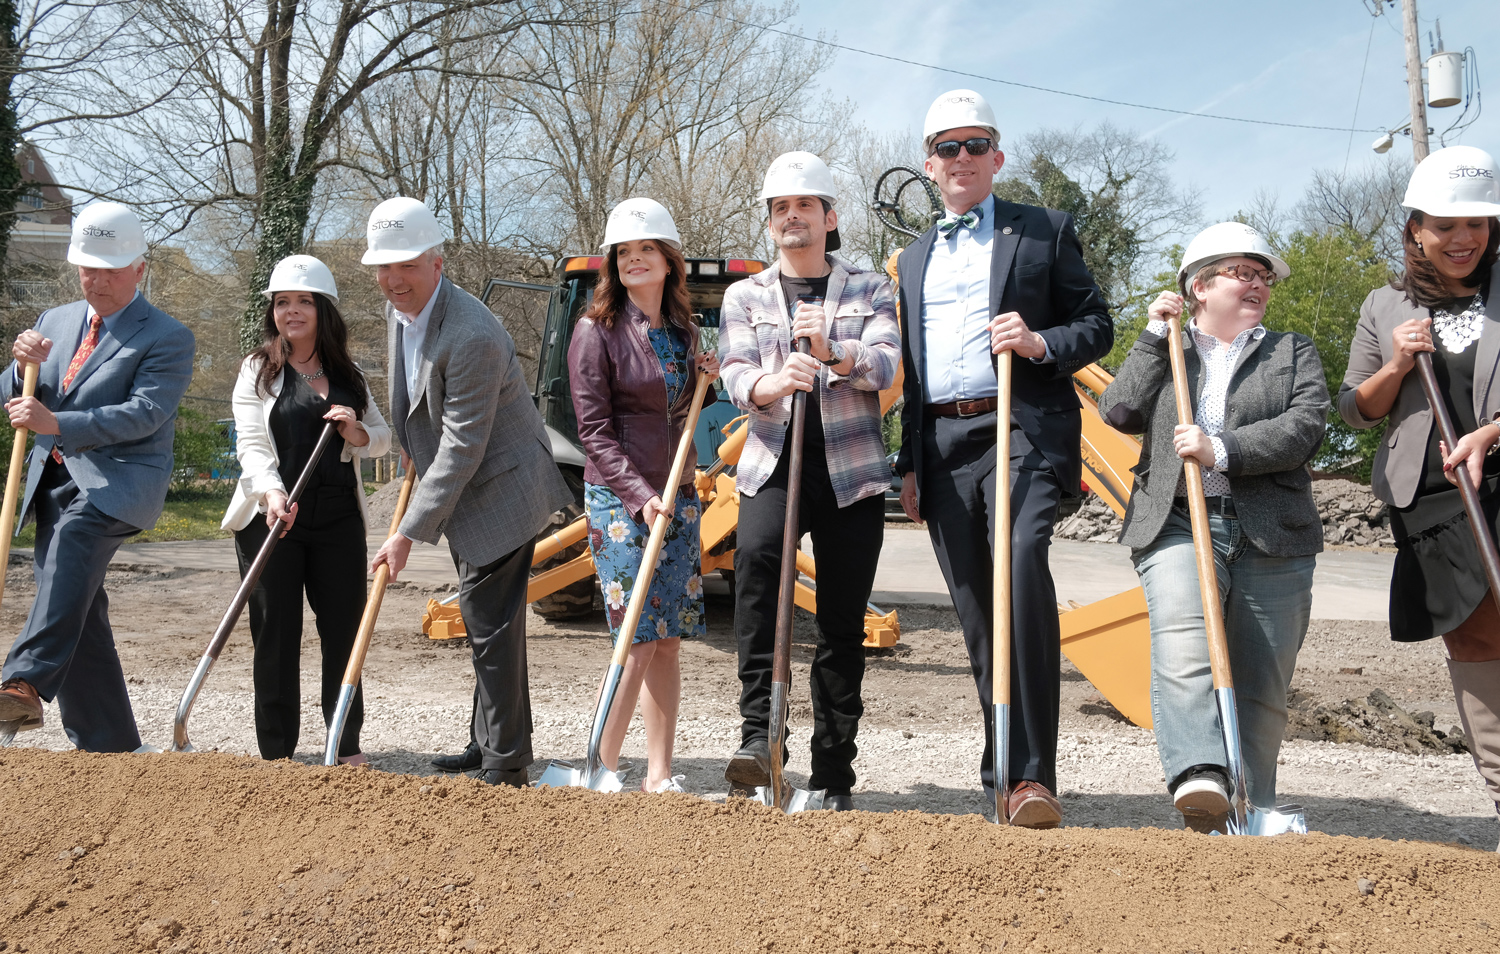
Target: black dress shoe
(515, 778)
(838, 803)
(750, 767)
(466, 761)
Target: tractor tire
(575, 600)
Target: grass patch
(191, 513)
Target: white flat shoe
(673, 784)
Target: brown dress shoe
(1031, 805)
(19, 703)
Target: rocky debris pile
(1352, 516)
(205, 852)
(1378, 721)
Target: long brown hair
(1423, 283)
(331, 345)
(676, 307)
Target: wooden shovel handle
(13, 478)
(377, 588)
(1000, 666)
(1203, 544)
(641, 590)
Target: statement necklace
(310, 377)
(1459, 331)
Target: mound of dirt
(382, 506)
(1378, 721)
(215, 853)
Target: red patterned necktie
(85, 348)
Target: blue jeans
(1267, 602)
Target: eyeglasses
(975, 147)
(1247, 274)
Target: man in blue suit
(113, 370)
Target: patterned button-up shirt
(1218, 366)
(755, 340)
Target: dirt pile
(1378, 721)
(382, 506)
(214, 853)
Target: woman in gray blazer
(1260, 410)
(1439, 306)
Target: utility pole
(1414, 80)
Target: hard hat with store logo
(1457, 181)
(106, 235)
(399, 230)
(956, 109)
(1227, 240)
(635, 220)
(301, 273)
(802, 173)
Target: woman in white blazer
(287, 389)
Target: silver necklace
(1459, 331)
(310, 377)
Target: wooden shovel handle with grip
(377, 588)
(641, 591)
(1488, 556)
(1002, 584)
(13, 478)
(1203, 543)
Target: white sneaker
(673, 784)
(1201, 795)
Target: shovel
(781, 794)
(1000, 663)
(1244, 818)
(366, 630)
(9, 729)
(1477, 522)
(180, 741)
(593, 774)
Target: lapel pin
(1005, 231)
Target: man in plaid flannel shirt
(848, 316)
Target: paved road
(1348, 583)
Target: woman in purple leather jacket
(633, 370)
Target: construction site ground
(220, 853)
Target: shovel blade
(8, 732)
(149, 750)
(796, 800)
(559, 774)
(1284, 820)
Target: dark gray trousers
(958, 504)
(66, 650)
(492, 601)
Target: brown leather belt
(963, 408)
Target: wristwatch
(835, 355)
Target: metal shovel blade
(562, 774)
(1284, 820)
(8, 732)
(795, 800)
(1245, 818)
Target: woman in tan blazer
(1440, 306)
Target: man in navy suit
(113, 370)
(995, 276)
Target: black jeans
(324, 555)
(846, 546)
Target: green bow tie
(950, 222)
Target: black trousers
(846, 545)
(323, 555)
(66, 649)
(958, 504)
(492, 601)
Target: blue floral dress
(675, 607)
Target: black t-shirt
(807, 288)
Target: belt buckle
(958, 407)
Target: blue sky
(1296, 61)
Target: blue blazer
(118, 417)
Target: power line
(1029, 86)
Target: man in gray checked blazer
(488, 481)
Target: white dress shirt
(413, 333)
(1218, 366)
(956, 312)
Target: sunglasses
(975, 147)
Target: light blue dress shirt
(956, 313)
(413, 333)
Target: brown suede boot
(1476, 687)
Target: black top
(1437, 500)
(807, 288)
(297, 422)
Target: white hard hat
(399, 230)
(106, 235)
(636, 219)
(802, 173)
(1227, 240)
(1459, 180)
(301, 273)
(956, 109)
